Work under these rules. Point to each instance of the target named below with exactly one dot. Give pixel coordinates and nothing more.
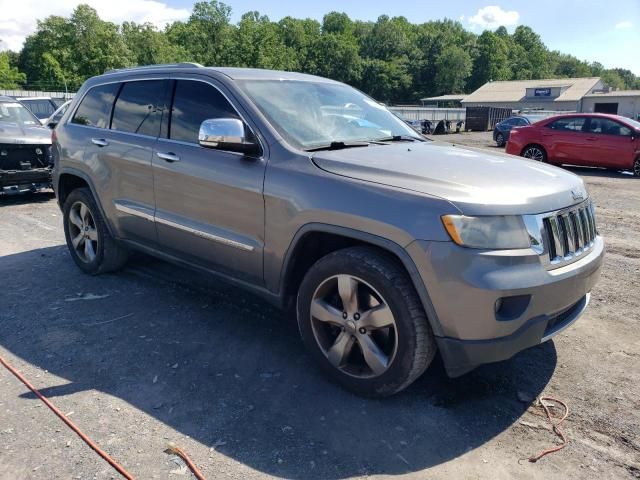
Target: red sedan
(594, 140)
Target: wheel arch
(315, 240)
(70, 179)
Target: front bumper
(25, 179)
(465, 284)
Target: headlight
(499, 232)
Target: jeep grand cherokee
(387, 246)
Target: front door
(610, 144)
(209, 203)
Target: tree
(392, 59)
(10, 76)
(492, 60)
(150, 46)
(207, 35)
(453, 67)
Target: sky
(592, 30)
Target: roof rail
(163, 65)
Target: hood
(17, 134)
(477, 182)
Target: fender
(80, 174)
(371, 239)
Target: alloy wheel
(534, 153)
(500, 139)
(83, 232)
(636, 168)
(354, 326)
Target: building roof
(457, 97)
(617, 93)
(515, 90)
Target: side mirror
(52, 124)
(226, 134)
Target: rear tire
(92, 247)
(535, 152)
(371, 354)
(636, 168)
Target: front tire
(92, 247)
(636, 168)
(535, 152)
(361, 319)
(500, 140)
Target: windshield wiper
(337, 146)
(398, 138)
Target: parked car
(41, 107)
(386, 246)
(503, 129)
(594, 140)
(25, 149)
(55, 117)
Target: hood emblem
(577, 195)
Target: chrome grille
(562, 237)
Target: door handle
(101, 142)
(169, 157)
(591, 139)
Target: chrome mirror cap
(225, 134)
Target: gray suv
(388, 247)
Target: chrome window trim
(168, 76)
(580, 236)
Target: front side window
(312, 114)
(193, 103)
(570, 124)
(605, 126)
(95, 108)
(138, 108)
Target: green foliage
(392, 59)
(10, 77)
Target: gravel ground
(157, 354)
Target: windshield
(14, 112)
(633, 122)
(310, 114)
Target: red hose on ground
(555, 426)
(86, 439)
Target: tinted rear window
(193, 103)
(95, 108)
(138, 108)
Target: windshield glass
(310, 114)
(14, 112)
(633, 122)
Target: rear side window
(95, 108)
(571, 124)
(194, 102)
(138, 108)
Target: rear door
(564, 140)
(119, 149)
(209, 203)
(610, 144)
